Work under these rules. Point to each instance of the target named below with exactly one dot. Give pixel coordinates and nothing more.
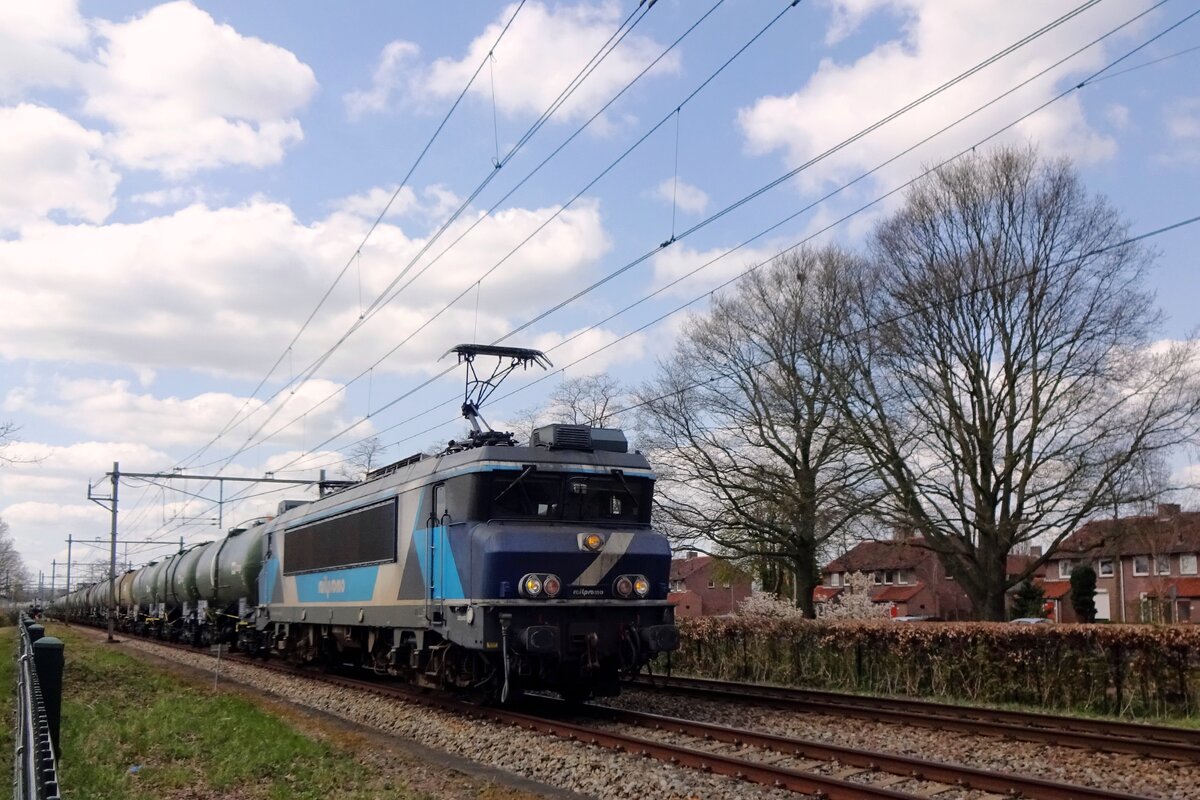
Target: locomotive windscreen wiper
(524, 474)
(632, 498)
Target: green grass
(8, 680)
(188, 742)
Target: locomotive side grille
(362, 536)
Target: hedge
(1127, 670)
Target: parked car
(1033, 621)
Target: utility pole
(53, 578)
(111, 506)
(69, 542)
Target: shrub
(1130, 670)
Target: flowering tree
(769, 605)
(855, 601)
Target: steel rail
(950, 774)
(1115, 736)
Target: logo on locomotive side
(329, 586)
(580, 592)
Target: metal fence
(35, 761)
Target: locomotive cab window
(592, 498)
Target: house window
(835, 579)
(712, 584)
(1064, 568)
(725, 585)
(902, 576)
(1105, 568)
(1187, 563)
(877, 577)
(1141, 565)
(676, 586)
(1183, 609)
(1162, 565)
(889, 577)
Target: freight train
(492, 566)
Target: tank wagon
(491, 565)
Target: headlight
(641, 586)
(531, 585)
(551, 586)
(593, 541)
(624, 586)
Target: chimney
(1168, 510)
(1035, 550)
(902, 533)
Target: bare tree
(366, 456)
(8, 432)
(1003, 380)
(592, 400)
(752, 450)
(12, 567)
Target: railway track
(814, 768)
(1114, 736)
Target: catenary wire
(614, 40)
(371, 230)
(1087, 81)
(719, 214)
(377, 306)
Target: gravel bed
(568, 765)
(1112, 771)
(834, 769)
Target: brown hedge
(1130, 670)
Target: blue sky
(184, 181)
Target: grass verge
(8, 680)
(133, 730)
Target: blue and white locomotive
(491, 565)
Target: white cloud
(223, 290)
(1117, 115)
(434, 203)
(616, 355)
(185, 93)
(539, 56)
(840, 99)
(392, 74)
(171, 196)
(45, 471)
(38, 42)
(1182, 120)
(677, 261)
(50, 163)
(110, 408)
(688, 198)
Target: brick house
(906, 572)
(706, 586)
(1146, 567)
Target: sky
(236, 238)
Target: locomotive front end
(569, 578)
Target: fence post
(36, 631)
(48, 660)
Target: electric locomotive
(491, 565)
